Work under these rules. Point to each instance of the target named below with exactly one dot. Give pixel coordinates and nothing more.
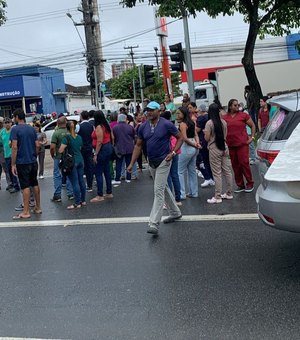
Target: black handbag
(67, 160)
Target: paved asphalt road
(230, 279)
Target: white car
(49, 128)
(278, 196)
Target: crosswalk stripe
(124, 220)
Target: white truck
(230, 82)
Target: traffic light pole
(141, 84)
(133, 81)
(189, 67)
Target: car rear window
(282, 125)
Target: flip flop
(74, 206)
(37, 212)
(20, 216)
(96, 199)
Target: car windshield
(282, 125)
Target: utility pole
(188, 59)
(157, 63)
(131, 53)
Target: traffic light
(90, 76)
(130, 89)
(137, 85)
(178, 57)
(149, 75)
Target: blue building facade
(291, 40)
(35, 89)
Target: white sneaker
(208, 182)
(113, 182)
(199, 173)
(41, 177)
(128, 181)
(227, 197)
(214, 200)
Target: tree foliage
(274, 17)
(121, 86)
(2, 12)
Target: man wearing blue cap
(156, 133)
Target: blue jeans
(103, 167)
(134, 171)
(57, 178)
(76, 178)
(173, 178)
(187, 164)
(203, 164)
(252, 151)
(119, 165)
(13, 179)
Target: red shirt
(106, 137)
(264, 117)
(236, 128)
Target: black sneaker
(89, 189)
(9, 187)
(56, 199)
(70, 197)
(239, 189)
(19, 207)
(249, 189)
(13, 190)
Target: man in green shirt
(5, 138)
(57, 137)
(170, 106)
(2, 160)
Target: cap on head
(202, 107)
(153, 106)
(7, 120)
(1, 119)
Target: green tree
(2, 12)
(274, 17)
(121, 86)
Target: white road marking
(26, 339)
(124, 220)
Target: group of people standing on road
(178, 144)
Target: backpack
(67, 161)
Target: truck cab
(205, 93)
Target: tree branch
(267, 16)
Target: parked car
(31, 118)
(50, 127)
(278, 196)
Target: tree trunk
(248, 63)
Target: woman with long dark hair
(238, 142)
(74, 142)
(215, 134)
(102, 143)
(189, 151)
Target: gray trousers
(162, 194)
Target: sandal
(20, 216)
(74, 206)
(108, 196)
(97, 199)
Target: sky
(40, 32)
